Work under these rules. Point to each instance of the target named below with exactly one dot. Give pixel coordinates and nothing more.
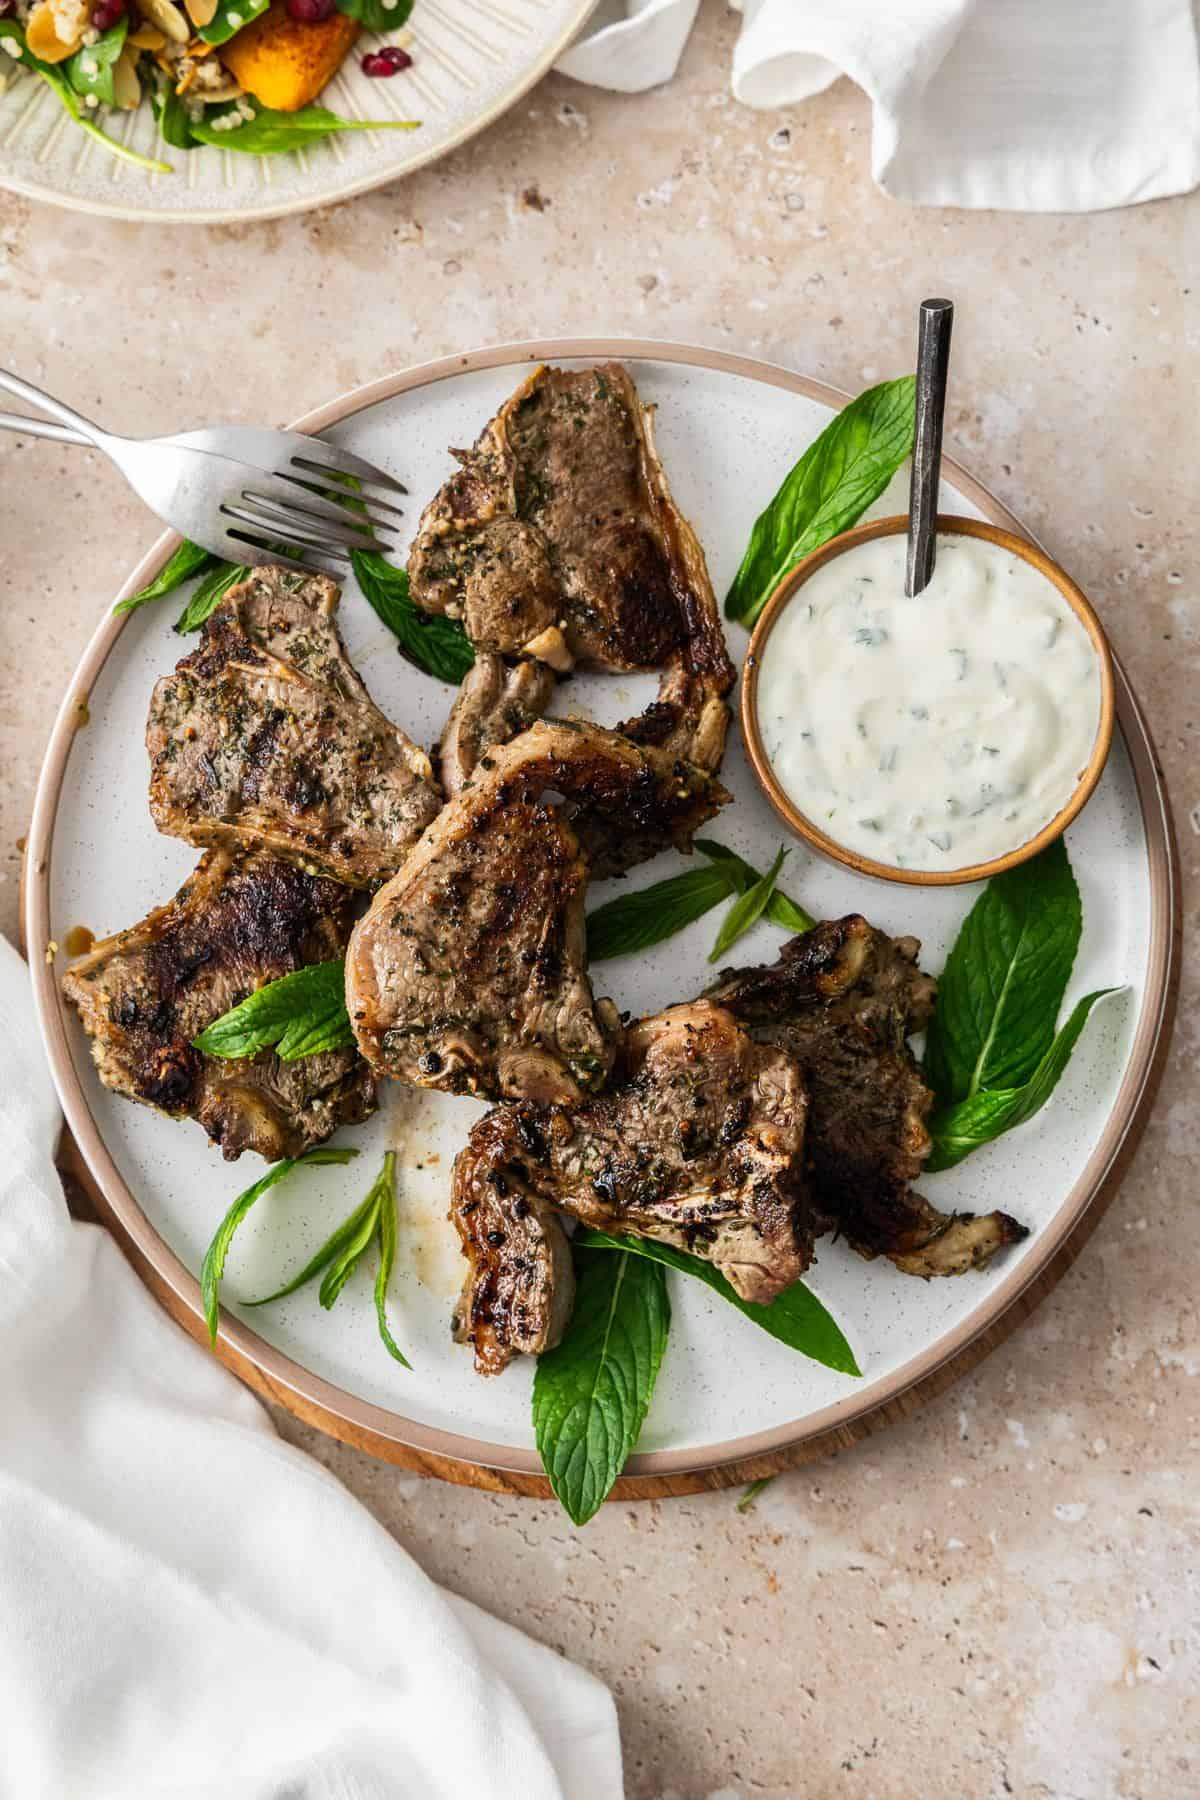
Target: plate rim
(335, 1409)
(333, 196)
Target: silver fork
(246, 494)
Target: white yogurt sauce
(936, 732)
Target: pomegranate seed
(309, 12)
(388, 61)
(106, 15)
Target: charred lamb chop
(558, 539)
(143, 995)
(697, 1142)
(844, 999)
(469, 971)
(494, 705)
(265, 738)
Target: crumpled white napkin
(1029, 105)
(189, 1606)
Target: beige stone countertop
(1001, 1596)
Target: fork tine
(362, 510)
(280, 528)
(280, 490)
(293, 521)
(258, 552)
(328, 459)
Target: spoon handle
(933, 368)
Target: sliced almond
(146, 37)
(127, 89)
(201, 12)
(168, 18)
(41, 35)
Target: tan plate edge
(505, 1467)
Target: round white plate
(728, 430)
(471, 60)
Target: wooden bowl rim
(948, 525)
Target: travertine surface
(1001, 1596)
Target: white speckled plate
(728, 429)
(471, 60)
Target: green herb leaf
(753, 1491)
(387, 1255)
(989, 1112)
(439, 646)
(173, 120)
(377, 15)
(743, 875)
(209, 595)
(187, 561)
(271, 133)
(229, 18)
(796, 1317)
(90, 70)
(300, 1014)
(213, 1266)
(591, 1393)
(333, 1245)
(1005, 978)
(55, 79)
(747, 910)
(830, 488)
(343, 1264)
(647, 916)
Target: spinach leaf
(90, 70)
(989, 1112)
(377, 15)
(591, 1393)
(743, 875)
(437, 645)
(1005, 978)
(831, 486)
(209, 595)
(796, 1317)
(173, 120)
(299, 1014)
(229, 18)
(213, 1266)
(57, 81)
(387, 1255)
(647, 916)
(271, 133)
(747, 910)
(187, 561)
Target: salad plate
(471, 60)
(728, 1397)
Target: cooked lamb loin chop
(494, 704)
(143, 995)
(844, 998)
(265, 738)
(698, 1142)
(468, 973)
(558, 538)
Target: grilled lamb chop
(843, 999)
(143, 995)
(495, 703)
(468, 973)
(265, 738)
(698, 1142)
(558, 538)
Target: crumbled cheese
(71, 19)
(91, 36)
(13, 47)
(91, 99)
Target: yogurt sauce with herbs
(936, 732)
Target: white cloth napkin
(190, 1607)
(1029, 105)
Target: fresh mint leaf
(213, 1266)
(69, 100)
(343, 1264)
(377, 15)
(1005, 978)
(209, 595)
(830, 488)
(298, 1015)
(747, 910)
(753, 1491)
(387, 1255)
(90, 70)
(437, 645)
(229, 18)
(989, 1112)
(187, 561)
(648, 915)
(592, 1392)
(743, 875)
(796, 1317)
(271, 133)
(333, 1245)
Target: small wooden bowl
(948, 524)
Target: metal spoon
(933, 368)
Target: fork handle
(42, 428)
(25, 390)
